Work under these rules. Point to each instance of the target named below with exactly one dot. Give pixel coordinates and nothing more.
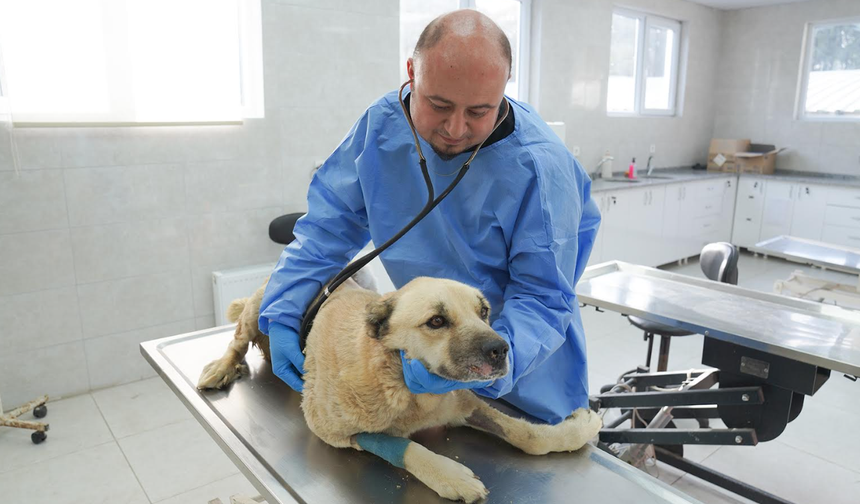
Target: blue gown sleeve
(333, 231)
(550, 244)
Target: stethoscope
(334, 283)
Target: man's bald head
(465, 27)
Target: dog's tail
(235, 309)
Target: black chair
(281, 229)
(719, 262)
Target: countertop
(679, 175)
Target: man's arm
(332, 232)
(550, 245)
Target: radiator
(232, 284)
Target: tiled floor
(137, 443)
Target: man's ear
(378, 314)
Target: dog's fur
(353, 381)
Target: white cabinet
(617, 244)
(769, 208)
(810, 202)
(748, 211)
(727, 213)
(842, 217)
(645, 225)
(778, 207)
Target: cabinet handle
(749, 219)
(707, 207)
(856, 218)
(854, 237)
(807, 189)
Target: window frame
(806, 68)
(646, 21)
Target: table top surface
(814, 333)
(259, 425)
(801, 250)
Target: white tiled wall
(759, 72)
(108, 236)
(573, 68)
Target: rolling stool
(719, 262)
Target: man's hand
(287, 359)
(421, 381)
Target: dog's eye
(485, 312)
(437, 322)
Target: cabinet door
(727, 211)
(616, 244)
(637, 220)
(670, 243)
(778, 207)
(596, 256)
(748, 211)
(807, 219)
(654, 225)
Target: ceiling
(742, 4)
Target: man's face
(454, 106)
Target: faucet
(649, 167)
(596, 171)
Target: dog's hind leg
(536, 439)
(223, 371)
(444, 476)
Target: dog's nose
(495, 350)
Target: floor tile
(788, 473)
(140, 406)
(97, 475)
(75, 424)
(223, 489)
(176, 458)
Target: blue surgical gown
(519, 226)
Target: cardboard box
(759, 158)
(721, 155)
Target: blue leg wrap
(384, 446)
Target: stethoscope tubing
(352, 268)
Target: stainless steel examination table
(258, 424)
(820, 254)
(767, 353)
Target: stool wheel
(40, 411)
(38, 436)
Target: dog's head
(445, 325)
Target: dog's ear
(378, 313)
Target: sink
(625, 180)
(657, 177)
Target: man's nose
(456, 126)
(495, 350)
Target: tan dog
(354, 377)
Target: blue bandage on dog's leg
(384, 446)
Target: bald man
(519, 226)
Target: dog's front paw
(450, 479)
(218, 374)
(457, 482)
(579, 428)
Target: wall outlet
(575, 150)
(653, 148)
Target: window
(512, 16)
(131, 61)
(643, 64)
(831, 81)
